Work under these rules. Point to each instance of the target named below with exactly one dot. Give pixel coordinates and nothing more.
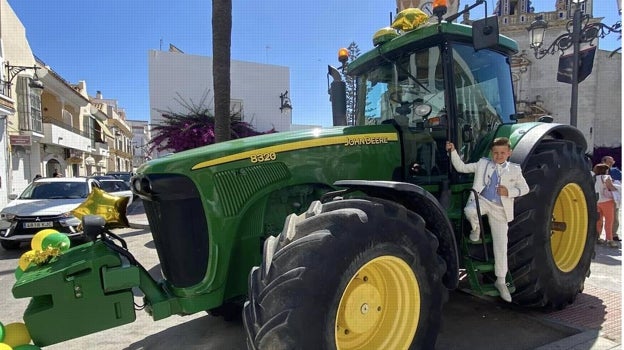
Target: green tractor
(374, 236)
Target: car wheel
(9, 245)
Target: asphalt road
(468, 322)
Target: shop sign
(20, 140)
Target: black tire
(548, 265)
(310, 269)
(10, 245)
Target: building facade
(539, 93)
(48, 125)
(176, 79)
(141, 136)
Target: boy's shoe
(600, 241)
(612, 244)
(474, 235)
(617, 238)
(503, 290)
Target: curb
(138, 225)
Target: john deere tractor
(357, 231)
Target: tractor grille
(174, 209)
(235, 187)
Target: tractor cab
(441, 89)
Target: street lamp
(285, 103)
(579, 30)
(13, 71)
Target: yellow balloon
(25, 259)
(16, 334)
(35, 244)
(111, 208)
(4, 346)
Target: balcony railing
(60, 124)
(5, 88)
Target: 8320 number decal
(263, 157)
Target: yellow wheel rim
(569, 227)
(380, 307)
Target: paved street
(469, 322)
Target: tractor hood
(254, 149)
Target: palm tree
(221, 45)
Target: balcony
(101, 149)
(7, 105)
(57, 133)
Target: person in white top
(606, 205)
(498, 182)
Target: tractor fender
(525, 146)
(418, 200)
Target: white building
(255, 88)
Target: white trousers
(498, 226)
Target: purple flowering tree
(181, 131)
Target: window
(28, 106)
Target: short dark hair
(604, 159)
(500, 141)
(601, 169)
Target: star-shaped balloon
(409, 19)
(111, 208)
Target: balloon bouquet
(48, 244)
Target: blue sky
(106, 42)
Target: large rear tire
(551, 240)
(349, 274)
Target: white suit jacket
(510, 177)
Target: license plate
(38, 224)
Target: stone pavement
(136, 215)
(596, 313)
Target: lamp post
(579, 31)
(13, 71)
(285, 104)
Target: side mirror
(12, 196)
(545, 119)
(485, 33)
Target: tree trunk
(221, 44)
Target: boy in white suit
(498, 182)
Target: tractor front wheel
(349, 274)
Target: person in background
(498, 182)
(606, 204)
(616, 177)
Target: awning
(104, 128)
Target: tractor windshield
(407, 90)
(411, 88)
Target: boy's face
(500, 154)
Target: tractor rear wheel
(348, 274)
(551, 240)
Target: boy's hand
(502, 191)
(450, 147)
